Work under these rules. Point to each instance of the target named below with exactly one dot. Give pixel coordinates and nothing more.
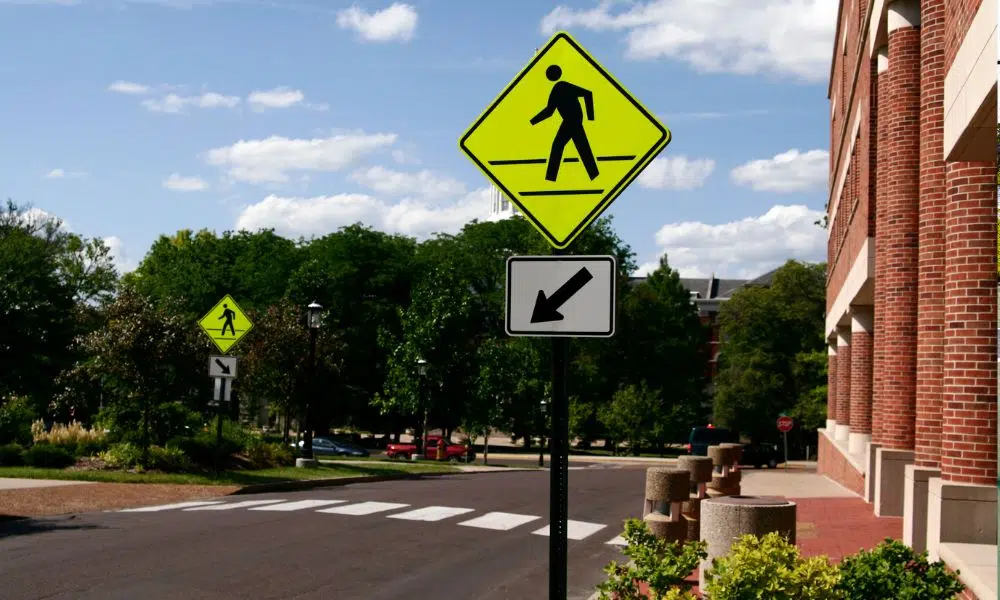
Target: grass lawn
(324, 471)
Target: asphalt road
(240, 552)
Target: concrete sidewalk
(15, 483)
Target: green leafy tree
(764, 330)
(151, 365)
(50, 281)
(635, 416)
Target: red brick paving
(836, 527)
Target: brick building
(912, 283)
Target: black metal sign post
(559, 471)
(218, 428)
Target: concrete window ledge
(857, 460)
(977, 566)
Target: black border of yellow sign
(615, 191)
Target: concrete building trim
(903, 13)
(858, 281)
(970, 90)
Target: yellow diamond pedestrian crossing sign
(225, 324)
(564, 140)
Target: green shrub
(893, 570)
(663, 565)
(16, 416)
(88, 448)
(168, 459)
(48, 456)
(123, 455)
(10, 455)
(770, 568)
(264, 455)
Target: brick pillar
(862, 323)
(897, 247)
(831, 387)
(969, 430)
(881, 266)
(930, 279)
(843, 383)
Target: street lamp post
(313, 320)
(422, 374)
(541, 442)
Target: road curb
(311, 484)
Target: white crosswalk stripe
(499, 521)
(173, 506)
(617, 541)
(363, 508)
(298, 505)
(431, 513)
(235, 505)
(575, 530)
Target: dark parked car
(703, 437)
(762, 453)
(324, 446)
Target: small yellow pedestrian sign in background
(225, 324)
(563, 140)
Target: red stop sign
(785, 424)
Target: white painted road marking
(170, 506)
(299, 505)
(617, 541)
(431, 513)
(575, 530)
(363, 508)
(500, 521)
(235, 505)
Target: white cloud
(745, 248)
(791, 171)
(64, 174)
(676, 173)
(789, 37)
(396, 23)
(128, 87)
(120, 257)
(424, 183)
(173, 103)
(319, 215)
(178, 183)
(269, 160)
(280, 97)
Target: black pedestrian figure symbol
(228, 314)
(565, 98)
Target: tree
(150, 365)
(634, 415)
(766, 332)
(501, 366)
(47, 278)
(362, 277)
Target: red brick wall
(897, 242)
(844, 384)
(881, 266)
(958, 16)
(861, 382)
(835, 465)
(831, 387)
(930, 319)
(969, 432)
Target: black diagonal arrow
(547, 308)
(223, 366)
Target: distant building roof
(708, 292)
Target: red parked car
(452, 452)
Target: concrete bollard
(737, 454)
(666, 491)
(700, 470)
(725, 481)
(724, 520)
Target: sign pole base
(559, 472)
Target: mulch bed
(92, 497)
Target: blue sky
(133, 118)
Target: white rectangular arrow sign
(222, 366)
(561, 296)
